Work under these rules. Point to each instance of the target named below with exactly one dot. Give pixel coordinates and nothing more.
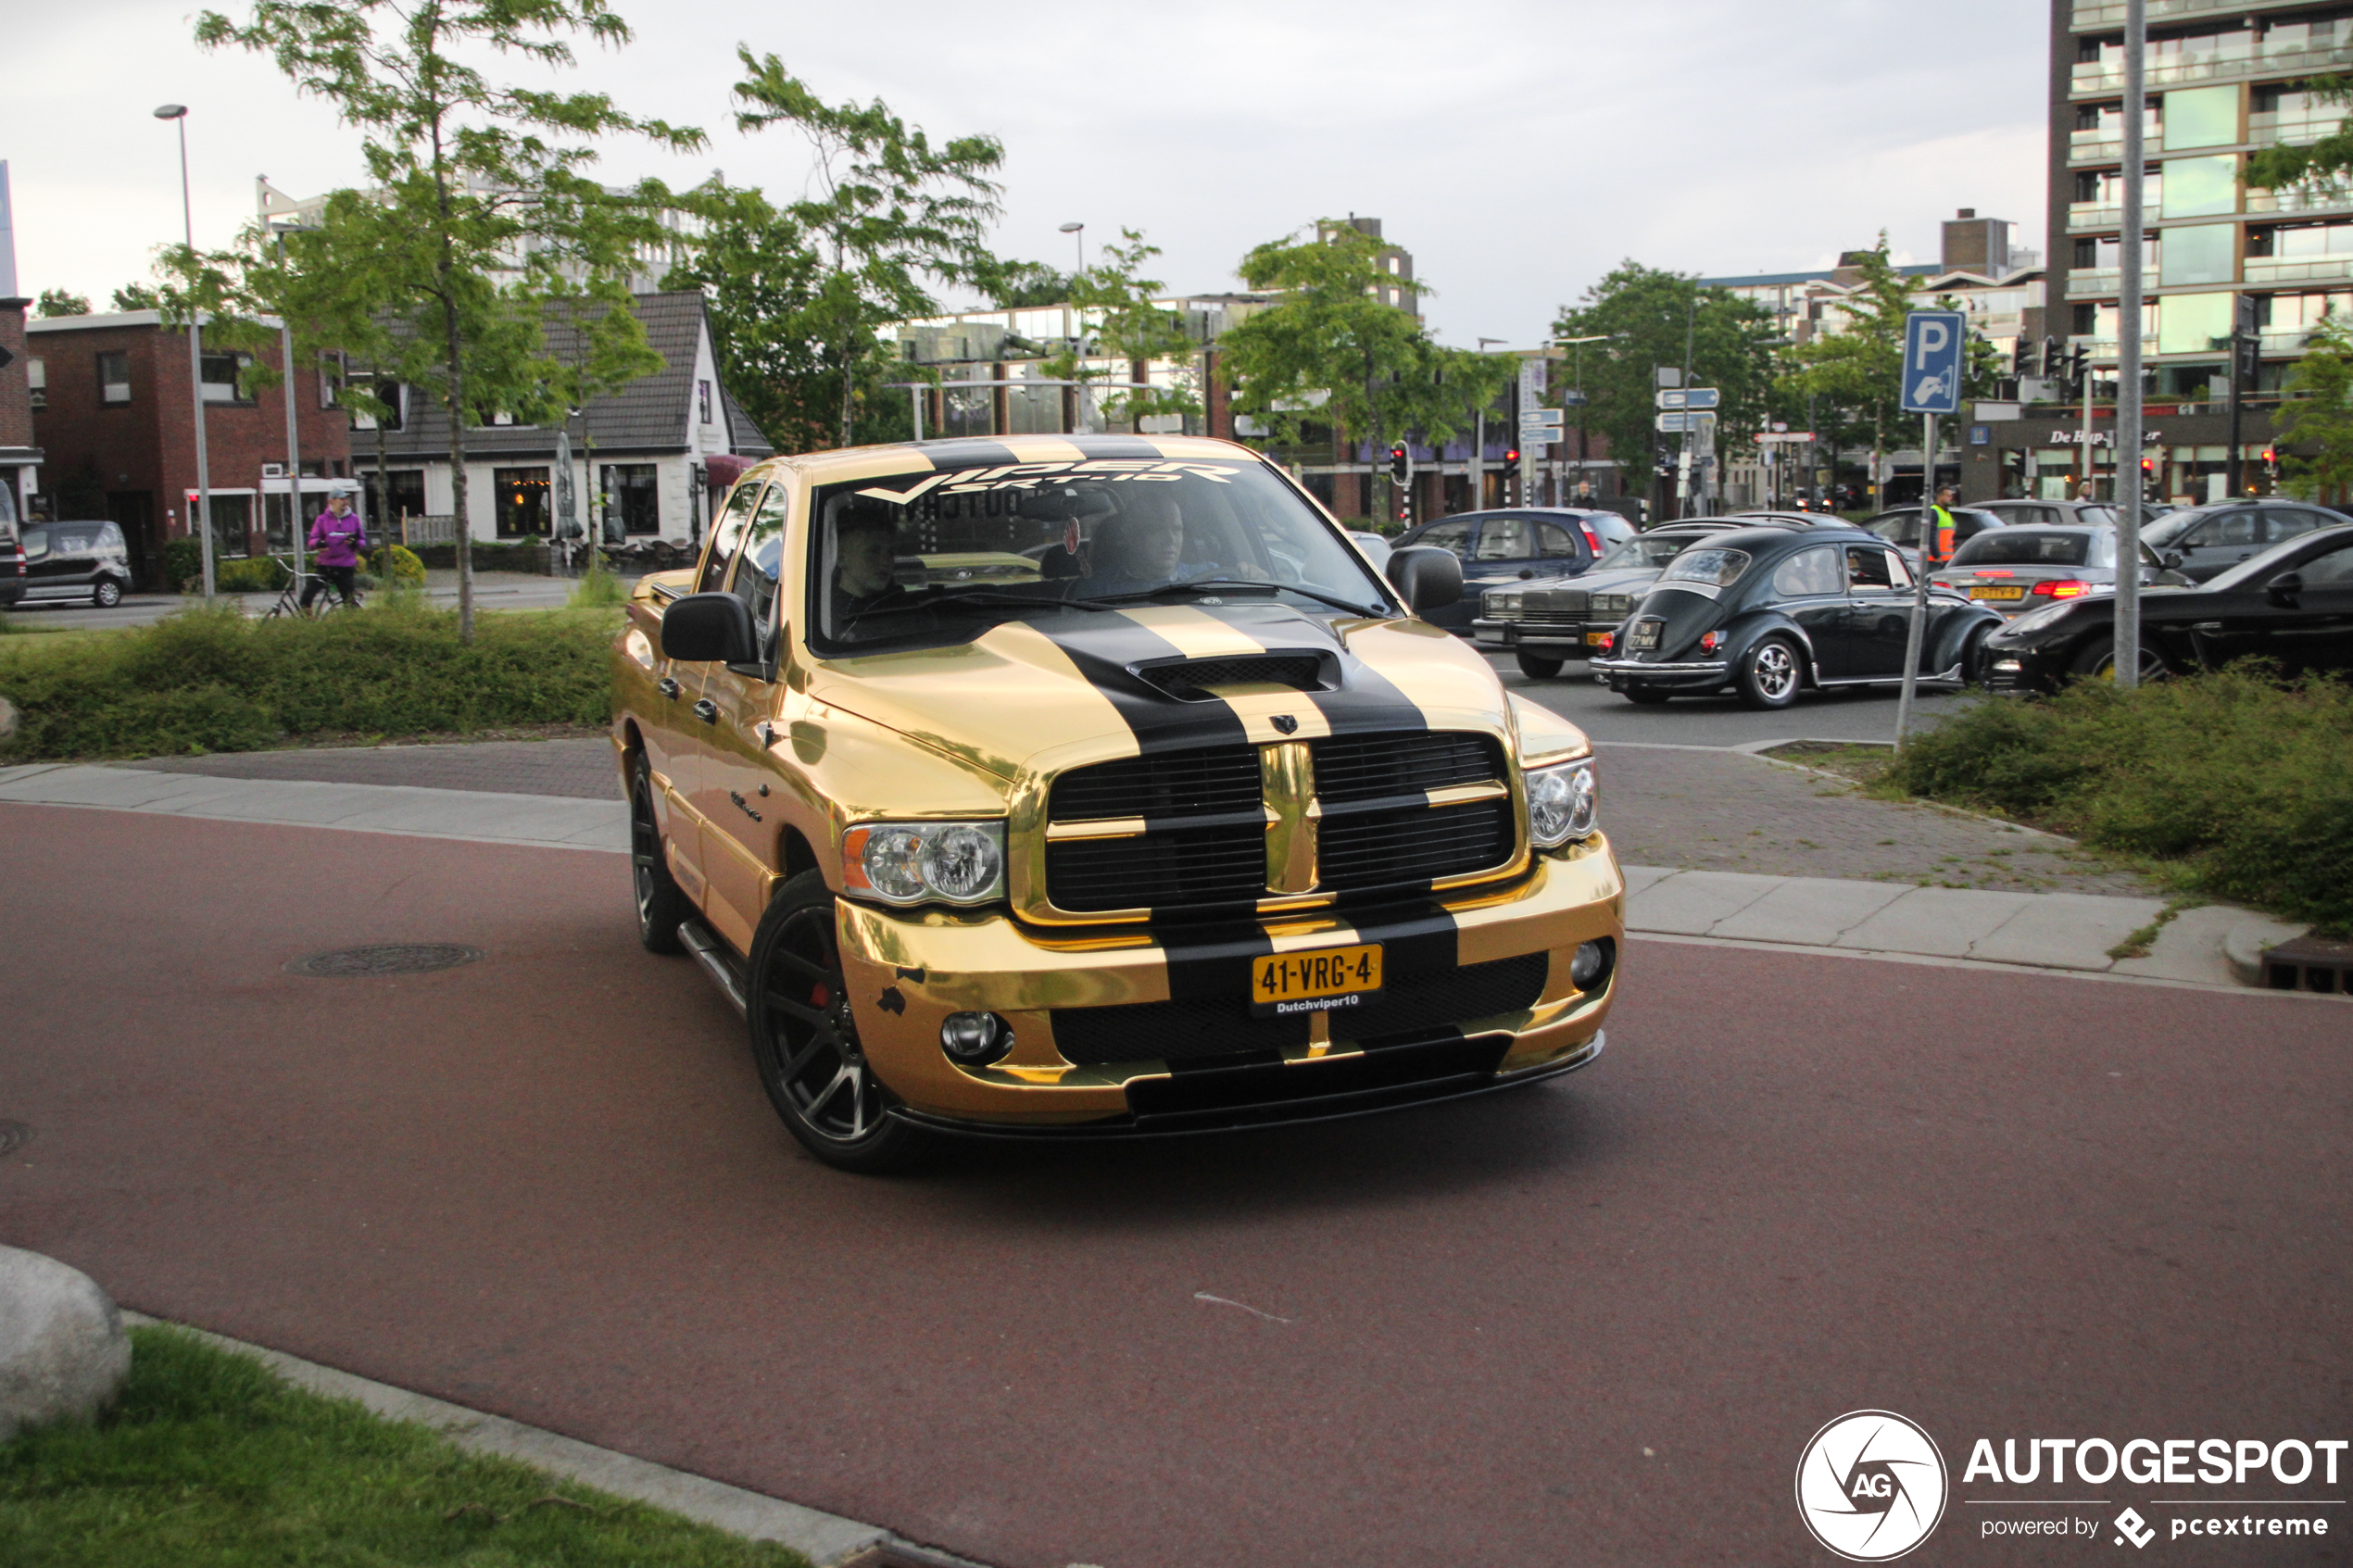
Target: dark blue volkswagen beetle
(1769, 612)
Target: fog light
(1588, 971)
(976, 1039)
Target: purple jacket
(337, 541)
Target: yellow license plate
(1322, 981)
(1597, 637)
(1997, 593)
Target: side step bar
(716, 960)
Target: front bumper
(1570, 639)
(908, 971)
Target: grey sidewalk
(2063, 931)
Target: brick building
(113, 416)
(19, 458)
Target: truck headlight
(1561, 803)
(918, 862)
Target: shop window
(522, 507)
(632, 499)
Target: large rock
(63, 1354)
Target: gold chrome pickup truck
(1082, 786)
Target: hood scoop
(1190, 680)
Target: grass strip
(214, 679)
(209, 1459)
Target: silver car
(2016, 569)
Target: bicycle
(328, 599)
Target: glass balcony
(2091, 281)
(2331, 197)
(2273, 130)
(2096, 16)
(2082, 216)
(2297, 268)
(2093, 78)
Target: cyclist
(337, 537)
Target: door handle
(667, 687)
(707, 710)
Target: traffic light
(2271, 462)
(2054, 358)
(2025, 360)
(1401, 464)
(1511, 454)
(2148, 472)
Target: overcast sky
(1518, 148)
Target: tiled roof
(649, 414)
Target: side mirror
(2283, 590)
(2171, 560)
(709, 629)
(1425, 577)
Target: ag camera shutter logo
(1871, 1485)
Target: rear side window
(1719, 569)
(1454, 536)
(2231, 528)
(1504, 538)
(2026, 547)
(2290, 522)
(1553, 541)
(1808, 572)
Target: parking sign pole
(1917, 630)
(2128, 366)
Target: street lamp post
(1080, 230)
(286, 385)
(1579, 344)
(202, 521)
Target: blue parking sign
(1933, 341)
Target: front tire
(661, 903)
(2098, 661)
(1769, 675)
(1973, 661)
(107, 595)
(804, 1038)
(1537, 668)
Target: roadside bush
(397, 565)
(256, 574)
(214, 681)
(527, 555)
(2245, 781)
(598, 588)
(182, 564)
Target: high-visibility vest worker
(1941, 538)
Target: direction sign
(1572, 398)
(1695, 421)
(1933, 341)
(1690, 397)
(1540, 419)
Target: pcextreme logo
(1871, 1485)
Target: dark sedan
(2210, 540)
(1771, 611)
(2293, 604)
(1518, 546)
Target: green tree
(53, 303)
(1329, 351)
(1116, 309)
(2316, 415)
(1011, 286)
(2312, 163)
(1855, 372)
(1645, 318)
(888, 212)
(137, 297)
(481, 208)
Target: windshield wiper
(1202, 583)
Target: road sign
(1540, 419)
(1763, 438)
(1695, 421)
(1572, 399)
(1690, 397)
(1933, 341)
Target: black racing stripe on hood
(1368, 702)
(1102, 645)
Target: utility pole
(201, 519)
(2127, 367)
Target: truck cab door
(734, 792)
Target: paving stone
(1692, 903)
(1813, 911)
(580, 768)
(1939, 922)
(2194, 945)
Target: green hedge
(2244, 782)
(214, 681)
(526, 556)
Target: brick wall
(16, 399)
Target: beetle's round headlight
(893, 863)
(1562, 804)
(961, 862)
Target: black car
(75, 561)
(1515, 545)
(2212, 539)
(2294, 604)
(1769, 611)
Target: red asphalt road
(1591, 1323)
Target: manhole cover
(388, 958)
(14, 1135)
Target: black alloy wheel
(661, 903)
(107, 594)
(804, 1038)
(1974, 664)
(1538, 667)
(1769, 675)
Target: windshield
(941, 555)
(1721, 568)
(2038, 547)
(1647, 550)
(2171, 526)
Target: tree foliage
(53, 303)
(2316, 415)
(1330, 351)
(887, 213)
(482, 209)
(1645, 318)
(136, 297)
(2313, 163)
(1117, 312)
(1011, 285)
(1855, 373)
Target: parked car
(1770, 612)
(75, 561)
(11, 550)
(1197, 826)
(2212, 539)
(1902, 526)
(2018, 514)
(1517, 546)
(2292, 604)
(2017, 569)
(1375, 548)
(1545, 625)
